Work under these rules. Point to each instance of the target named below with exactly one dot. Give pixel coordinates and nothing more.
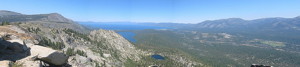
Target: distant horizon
(175, 11)
(149, 21)
(175, 22)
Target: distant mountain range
(276, 23)
(264, 23)
(53, 20)
(10, 16)
(5, 13)
(283, 25)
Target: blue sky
(179, 11)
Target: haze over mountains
(282, 23)
(270, 23)
(276, 23)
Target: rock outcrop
(115, 41)
(43, 56)
(18, 46)
(12, 46)
(5, 63)
(55, 17)
(48, 55)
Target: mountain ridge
(11, 16)
(5, 12)
(262, 23)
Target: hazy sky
(180, 11)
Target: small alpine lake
(158, 57)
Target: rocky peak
(111, 36)
(116, 42)
(56, 17)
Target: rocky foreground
(19, 47)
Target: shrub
(76, 34)
(81, 53)
(5, 23)
(54, 45)
(70, 52)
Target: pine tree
(5, 23)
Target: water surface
(121, 26)
(128, 35)
(157, 57)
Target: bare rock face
(29, 62)
(116, 42)
(82, 59)
(17, 45)
(12, 46)
(49, 55)
(5, 63)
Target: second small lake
(158, 57)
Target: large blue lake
(128, 35)
(121, 26)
